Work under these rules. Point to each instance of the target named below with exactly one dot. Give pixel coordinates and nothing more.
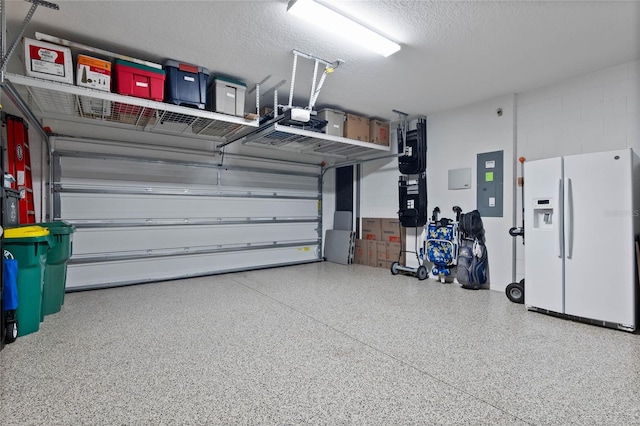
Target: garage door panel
(128, 206)
(76, 169)
(112, 240)
(114, 172)
(139, 218)
(107, 274)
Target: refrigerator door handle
(560, 214)
(569, 219)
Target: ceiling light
(338, 23)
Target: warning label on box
(47, 61)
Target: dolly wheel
(422, 273)
(515, 292)
(11, 332)
(394, 268)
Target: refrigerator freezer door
(599, 273)
(543, 204)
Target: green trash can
(29, 246)
(55, 275)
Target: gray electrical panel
(490, 183)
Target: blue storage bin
(8, 321)
(186, 84)
(10, 278)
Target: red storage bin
(138, 80)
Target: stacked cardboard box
(356, 128)
(381, 242)
(379, 132)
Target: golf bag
(472, 254)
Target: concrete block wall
(455, 138)
(594, 112)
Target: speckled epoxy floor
(315, 344)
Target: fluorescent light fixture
(338, 23)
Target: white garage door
(144, 215)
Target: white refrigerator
(581, 219)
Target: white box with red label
(48, 61)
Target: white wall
(589, 113)
(379, 187)
(455, 138)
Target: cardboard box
(381, 249)
(95, 108)
(371, 229)
(372, 254)
(360, 257)
(382, 264)
(93, 73)
(48, 61)
(137, 119)
(265, 111)
(356, 128)
(392, 250)
(392, 231)
(379, 132)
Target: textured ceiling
(453, 53)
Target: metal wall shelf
(72, 103)
(278, 136)
(67, 102)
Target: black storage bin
(186, 84)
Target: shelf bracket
(256, 88)
(315, 85)
(402, 126)
(34, 5)
(10, 90)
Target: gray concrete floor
(315, 344)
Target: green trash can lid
(58, 227)
(25, 232)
